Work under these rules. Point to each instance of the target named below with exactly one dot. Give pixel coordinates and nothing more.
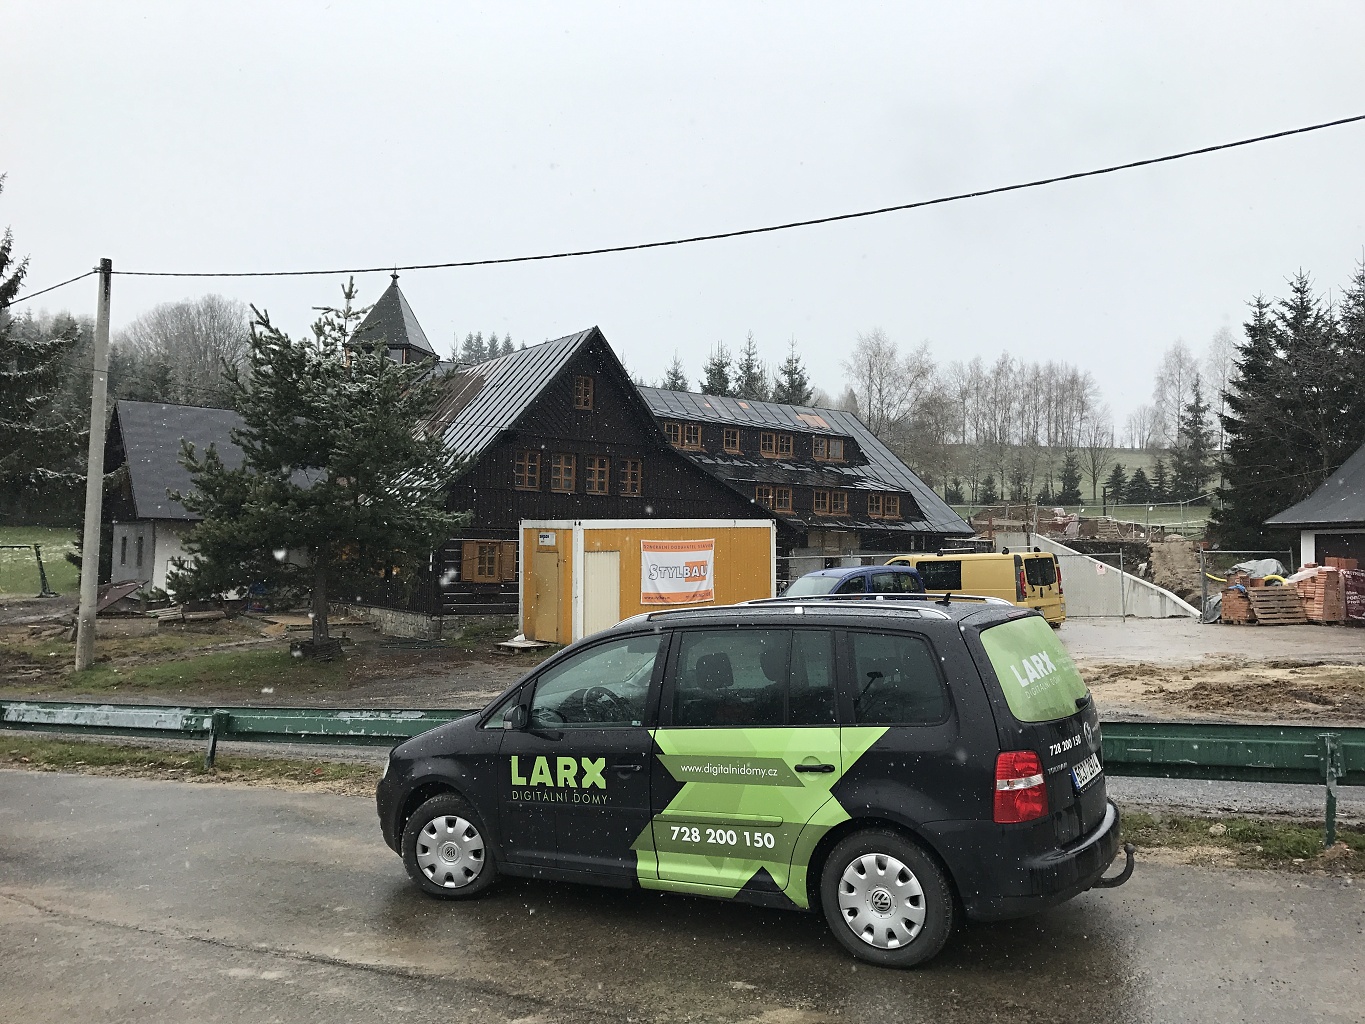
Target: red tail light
(1020, 793)
(1022, 584)
(1058, 566)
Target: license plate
(1085, 772)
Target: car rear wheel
(887, 901)
(446, 850)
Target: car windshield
(812, 586)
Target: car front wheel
(887, 901)
(446, 849)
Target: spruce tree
(1161, 481)
(1117, 484)
(1069, 489)
(1139, 490)
(751, 376)
(1190, 460)
(334, 471)
(792, 386)
(988, 495)
(675, 377)
(39, 440)
(952, 494)
(474, 350)
(717, 373)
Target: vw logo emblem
(880, 901)
(1089, 735)
(450, 852)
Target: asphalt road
(157, 901)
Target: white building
(143, 449)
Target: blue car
(858, 579)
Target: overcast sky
(275, 136)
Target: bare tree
(1138, 431)
(1174, 381)
(888, 385)
(1220, 360)
(178, 351)
(1097, 440)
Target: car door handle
(823, 769)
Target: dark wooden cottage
(831, 484)
(557, 431)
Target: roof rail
(944, 598)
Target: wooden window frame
(673, 433)
(728, 433)
(592, 466)
(526, 471)
(822, 448)
(583, 388)
(891, 506)
(786, 446)
(820, 498)
(632, 478)
(767, 444)
(687, 441)
(838, 503)
(572, 462)
(475, 566)
(874, 505)
(763, 495)
(782, 499)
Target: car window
(811, 586)
(499, 716)
(852, 585)
(811, 698)
(896, 681)
(1040, 571)
(605, 685)
(940, 574)
(731, 678)
(1040, 681)
(894, 583)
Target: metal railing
(1298, 754)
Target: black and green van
(891, 764)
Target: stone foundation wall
(418, 625)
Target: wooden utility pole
(94, 475)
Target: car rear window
(1040, 571)
(1039, 679)
(940, 575)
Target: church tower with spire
(392, 322)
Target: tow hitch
(1122, 876)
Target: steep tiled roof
(151, 433)
(881, 472)
(485, 399)
(392, 320)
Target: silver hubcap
(450, 851)
(881, 901)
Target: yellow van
(1030, 579)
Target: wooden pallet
(1277, 606)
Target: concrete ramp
(1094, 588)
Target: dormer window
(775, 446)
(828, 449)
(731, 440)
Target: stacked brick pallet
(1323, 595)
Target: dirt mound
(1175, 567)
(1288, 690)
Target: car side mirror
(515, 717)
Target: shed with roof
(1331, 520)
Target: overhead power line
(742, 232)
(51, 288)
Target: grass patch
(1249, 842)
(221, 670)
(19, 569)
(96, 758)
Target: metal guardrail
(366, 727)
(1172, 750)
